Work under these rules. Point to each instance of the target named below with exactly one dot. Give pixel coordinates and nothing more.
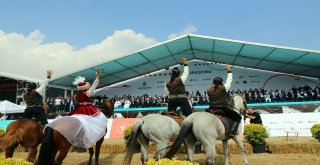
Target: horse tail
(186, 127)
(48, 146)
(136, 130)
(11, 138)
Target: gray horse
(156, 128)
(207, 128)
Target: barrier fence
(276, 124)
(278, 118)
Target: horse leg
(210, 150)
(226, 152)
(190, 147)
(32, 153)
(91, 152)
(161, 149)
(98, 146)
(144, 142)
(62, 154)
(238, 140)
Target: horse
(54, 142)
(207, 128)
(28, 133)
(156, 128)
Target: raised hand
(183, 61)
(97, 74)
(228, 67)
(49, 73)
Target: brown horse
(54, 142)
(27, 133)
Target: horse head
(107, 107)
(237, 104)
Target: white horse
(207, 128)
(156, 128)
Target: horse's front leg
(239, 142)
(98, 147)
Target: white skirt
(81, 130)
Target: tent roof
(9, 107)
(239, 53)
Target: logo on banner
(119, 125)
(200, 72)
(122, 126)
(144, 86)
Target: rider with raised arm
(83, 98)
(175, 89)
(34, 100)
(86, 124)
(217, 96)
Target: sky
(70, 35)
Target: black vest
(218, 97)
(33, 98)
(176, 87)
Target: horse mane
(232, 103)
(107, 107)
(12, 137)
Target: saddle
(174, 116)
(226, 121)
(36, 120)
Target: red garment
(84, 105)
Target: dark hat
(175, 73)
(217, 81)
(31, 86)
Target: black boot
(234, 129)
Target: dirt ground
(74, 158)
(254, 159)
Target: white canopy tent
(9, 107)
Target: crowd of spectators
(260, 95)
(63, 105)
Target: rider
(34, 100)
(83, 98)
(175, 88)
(218, 99)
(85, 125)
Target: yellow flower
(13, 161)
(174, 161)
